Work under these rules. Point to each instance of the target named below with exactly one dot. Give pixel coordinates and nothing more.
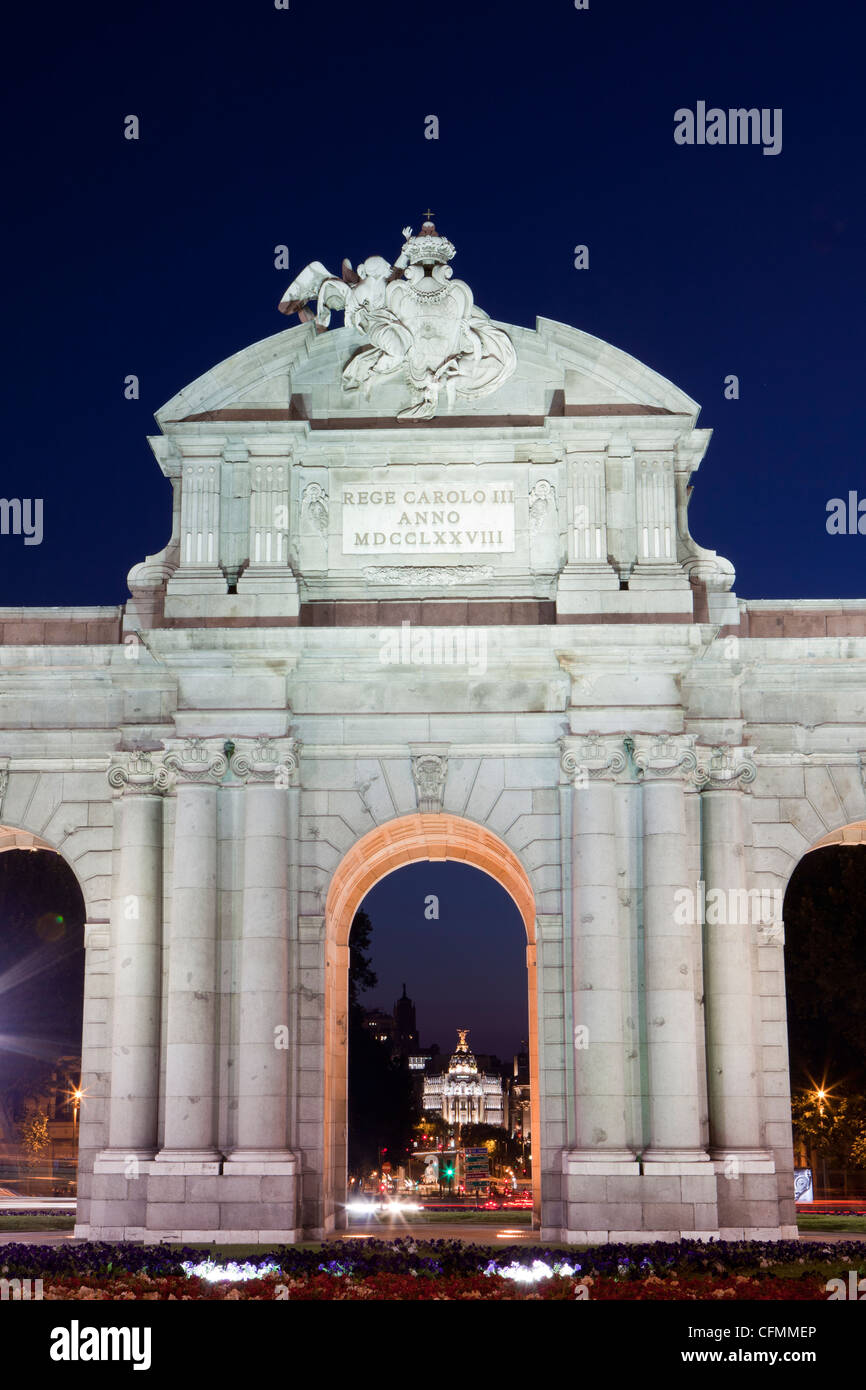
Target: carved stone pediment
(418, 322)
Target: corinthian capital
(196, 762)
(136, 774)
(592, 757)
(665, 756)
(725, 767)
(267, 760)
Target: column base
(581, 583)
(746, 1160)
(197, 579)
(679, 1158)
(264, 1162)
(183, 1162)
(123, 1161)
(670, 1199)
(597, 1155)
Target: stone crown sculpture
(418, 321)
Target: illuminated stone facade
(463, 1095)
(421, 623)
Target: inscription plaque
(425, 519)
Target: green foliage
(361, 975)
(34, 1136)
(839, 1131)
(381, 1107)
(506, 1150)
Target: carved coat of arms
(419, 322)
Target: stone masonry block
(255, 1215)
(664, 1215)
(601, 1215)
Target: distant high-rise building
(519, 1096)
(405, 1031)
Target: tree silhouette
(380, 1089)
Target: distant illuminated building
(397, 1029)
(463, 1095)
(379, 1024)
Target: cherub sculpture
(417, 320)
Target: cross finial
(429, 215)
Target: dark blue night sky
(306, 127)
(464, 969)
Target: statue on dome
(417, 319)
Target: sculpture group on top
(419, 322)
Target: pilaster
(269, 769)
(675, 1090)
(592, 767)
(191, 1014)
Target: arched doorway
(825, 951)
(390, 846)
(42, 915)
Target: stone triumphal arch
(430, 591)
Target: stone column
(670, 955)
(263, 1056)
(137, 933)
(733, 1073)
(601, 1126)
(191, 1027)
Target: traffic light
(449, 1172)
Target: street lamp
(821, 1095)
(77, 1096)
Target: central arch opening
(407, 840)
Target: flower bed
(412, 1270)
(405, 1287)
